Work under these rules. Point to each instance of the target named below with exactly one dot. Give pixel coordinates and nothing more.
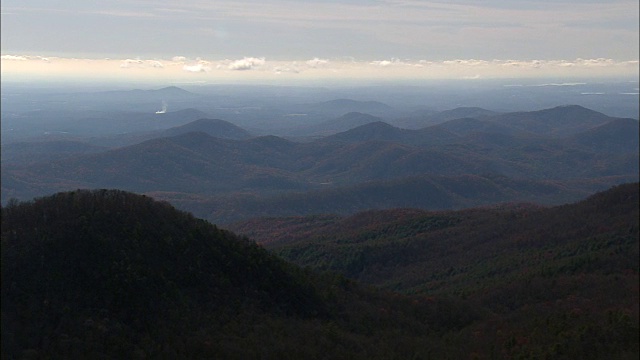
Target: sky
(225, 41)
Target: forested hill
(107, 274)
(451, 252)
(558, 280)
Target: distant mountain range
(431, 118)
(340, 107)
(220, 159)
(65, 124)
(557, 122)
(343, 123)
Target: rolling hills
(548, 275)
(110, 274)
(472, 236)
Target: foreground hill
(109, 274)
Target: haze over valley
(289, 151)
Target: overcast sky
(460, 38)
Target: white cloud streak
(138, 63)
(315, 62)
(255, 68)
(13, 58)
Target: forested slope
(111, 275)
(561, 280)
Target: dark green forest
(106, 274)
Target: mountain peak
(173, 90)
(214, 127)
(377, 130)
(560, 121)
(134, 257)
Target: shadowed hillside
(109, 274)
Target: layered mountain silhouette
(343, 123)
(430, 118)
(591, 156)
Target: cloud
(247, 63)
(199, 66)
(129, 14)
(466, 62)
(285, 69)
(519, 63)
(393, 62)
(23, 58)
(347, 69)
(196, 68)
(560, 84)
(383, 63)
(139, 63)
(13, 58)
(315, 62)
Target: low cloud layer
(254, 68)
(138, 63)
